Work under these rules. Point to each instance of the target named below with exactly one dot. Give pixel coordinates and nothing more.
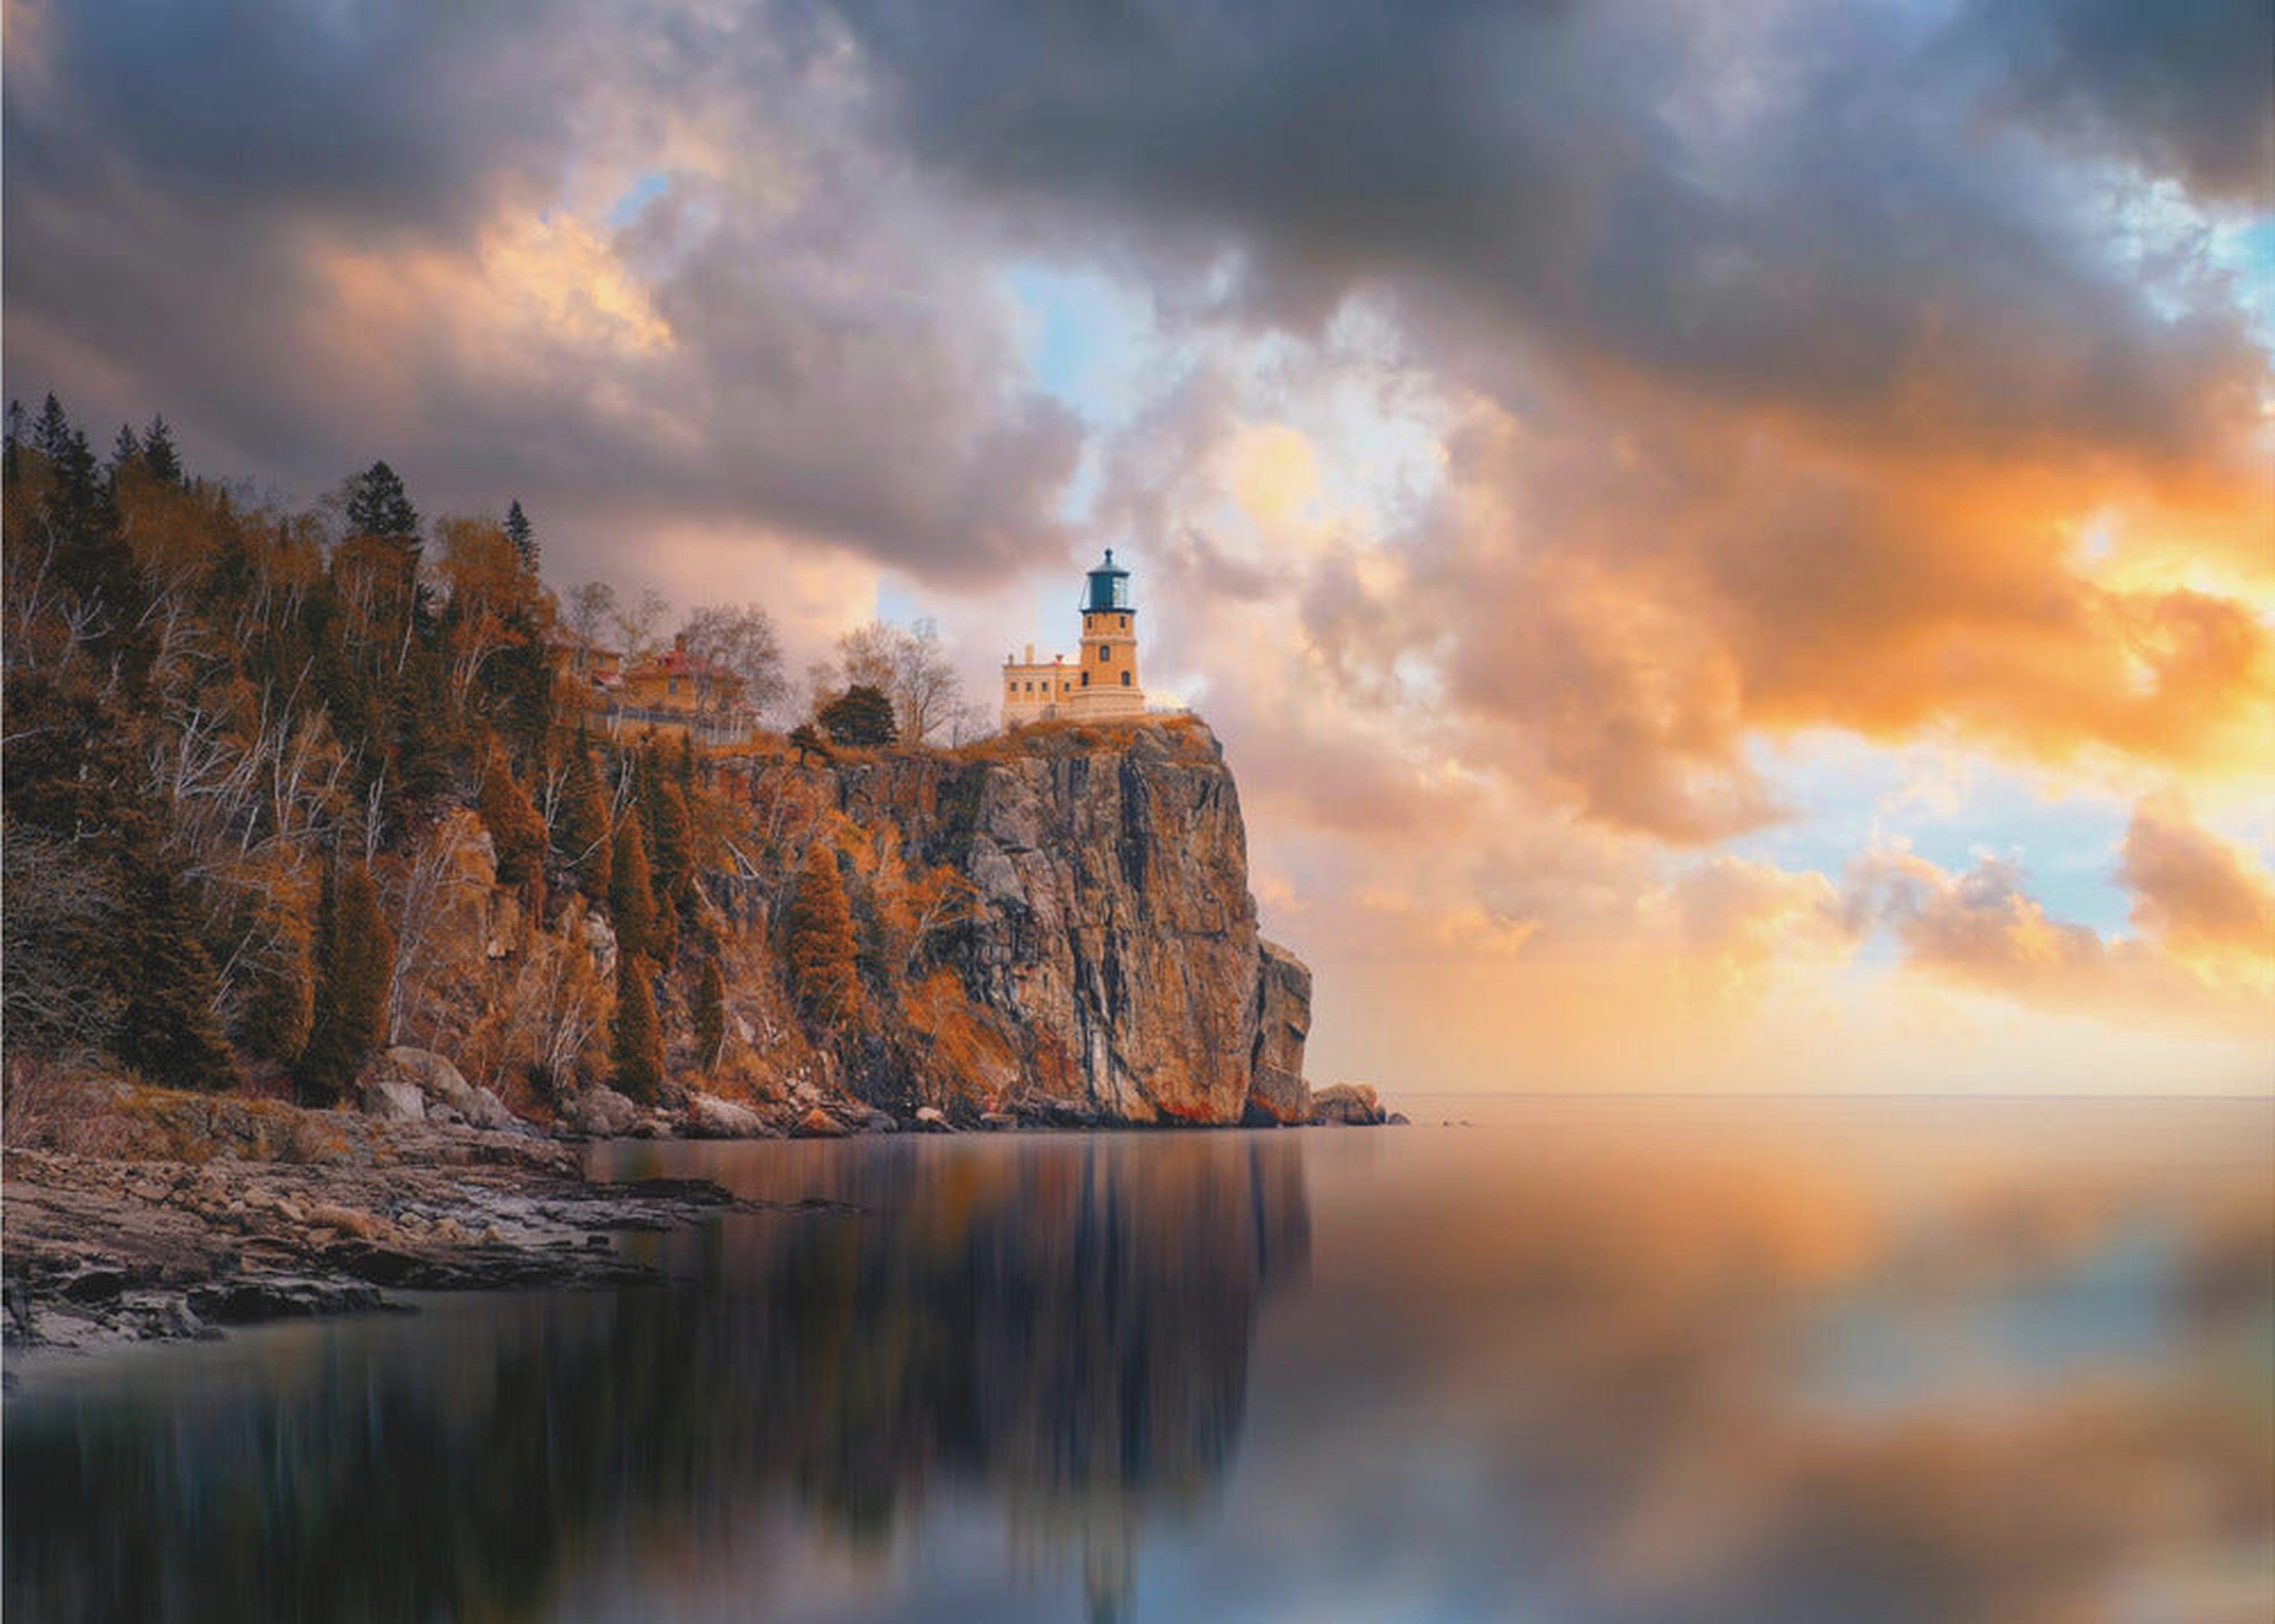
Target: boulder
(487, 1110)
(929, 1119)
(873, 1120)
(709, 1117)
(819, 1124)
(998, 1120)
(394, 1100)
(1352, 1105)
(601, 1114)
(449, 1099)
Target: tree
(710, 1013)
(522, 534)
(821, 948)
(862, 716)
(580, 825)
(158, 455)
(909, 666)
(377, 505)
(355, 965)
(741, 641)
(517, 832)
(637, 1044)
(671, 834)
(806, 740)
(126, 451)
(638, 625)
(631, 891)
(591, 610)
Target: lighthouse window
(1106, 651)
(1125, 623)
(1086, 679)
(1125, 679)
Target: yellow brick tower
(1103, 679)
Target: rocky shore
(139, 1214)
(133, 1214)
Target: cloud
(2198, 894)
(639, 270)
(2205, 952)
(2179, 87)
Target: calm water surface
(1737, 1360)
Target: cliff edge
(1107, 942)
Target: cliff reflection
(1062, 1326)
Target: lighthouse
(1101, 680)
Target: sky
(1730, 544)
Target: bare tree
(910, 666)
(591, 610)
(638, 625)
(741, 640)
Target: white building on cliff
(1101, 680)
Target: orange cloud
(2203, 898)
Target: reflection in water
(1603, 1364)
(1064, 1323)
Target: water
(1628, 1360)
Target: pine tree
(158, 454)
(522, 534)
(355, 961)
(631, 891)
(862, 715)
(169, 1031)
(378, 506)
(580, 827)
(126, 451)
(671, 836)
(637, 1044)
(515, 830)
(822, 970)
(710, 1013)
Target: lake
(1607, 1360)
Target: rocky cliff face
(1111, 938)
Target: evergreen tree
(169, 1032)
(126, 451)
(637, 1044)
(580, 827)
(515, 830)
(355, 961)
(522, 534)
(378, 506)
(670, 837)
(710, 1013)
(11, 462)
(821, 949)
(158, 454)
(631, 891)
(862, 715)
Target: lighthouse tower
(1103, 679)
(1108, 685)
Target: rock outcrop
(1277, 1093)
(1112, 944)
(1347, 1105)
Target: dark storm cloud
(280, 225)
(1793, 210)
(2183, 87)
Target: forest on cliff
(287, 787)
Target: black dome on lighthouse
(1109, 588)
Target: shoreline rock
(172, 1215)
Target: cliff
(1107, 941)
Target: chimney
(1030, 654)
